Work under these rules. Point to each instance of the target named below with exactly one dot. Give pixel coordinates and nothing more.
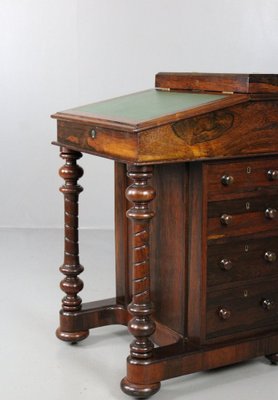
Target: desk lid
(186, 117)
(149, 108)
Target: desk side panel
(169, 245)
(237, 131)
(122, 245)
(105, 142)
(197, 271)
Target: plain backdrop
(57, 54)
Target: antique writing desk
(196, 173)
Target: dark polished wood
(169, 245)
(95, 314)
(241, 259)
(200, 279)
(196, 288)
(182, 136)
(184, 358)
(248, 176)
(141, 326)
(71, 268)
(140, 193)
(209, 135)
(246, 306)
(233, 221)
(122, 226)
(238, 83)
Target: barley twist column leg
(141, 326)
(71, 267)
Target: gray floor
(36, 366)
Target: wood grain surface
(247, 129)
(245, 305)
(246, 255)
(238, 83)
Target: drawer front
(241, 309)
(229, 178)
(244, 259)
(242, 216)
(98, 140)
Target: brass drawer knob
(226, 219)
(224, 314)
(226, 264)
(272, 174)
(268, 304)
(270, 256)
(270, 213)
(227, 180)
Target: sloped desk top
(153, 107)
(142, 107)
(166, 125)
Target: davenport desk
(196, 175)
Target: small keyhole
(93, 133)
(246, 248)
(245, 293)
(247, 205)
(248, 170)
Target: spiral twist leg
(141, 326)
(71, 267)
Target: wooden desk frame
(177, 354)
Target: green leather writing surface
(146, 105)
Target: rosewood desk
(196, 174)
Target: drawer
(242, 216)
(242, 259)
(241, 309)
(95, 139)
(227, 178)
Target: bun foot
(273, 358)
(72, 337)
(139, 391)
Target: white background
(57, 54)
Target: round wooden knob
(268, 304)
(227, 180)
(272, 174)
(224, 313)
(270, 213)
(270, 256)
(226, 219)
(226, 264)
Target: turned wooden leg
(141, 326)
(273, 358)
(71, 268)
